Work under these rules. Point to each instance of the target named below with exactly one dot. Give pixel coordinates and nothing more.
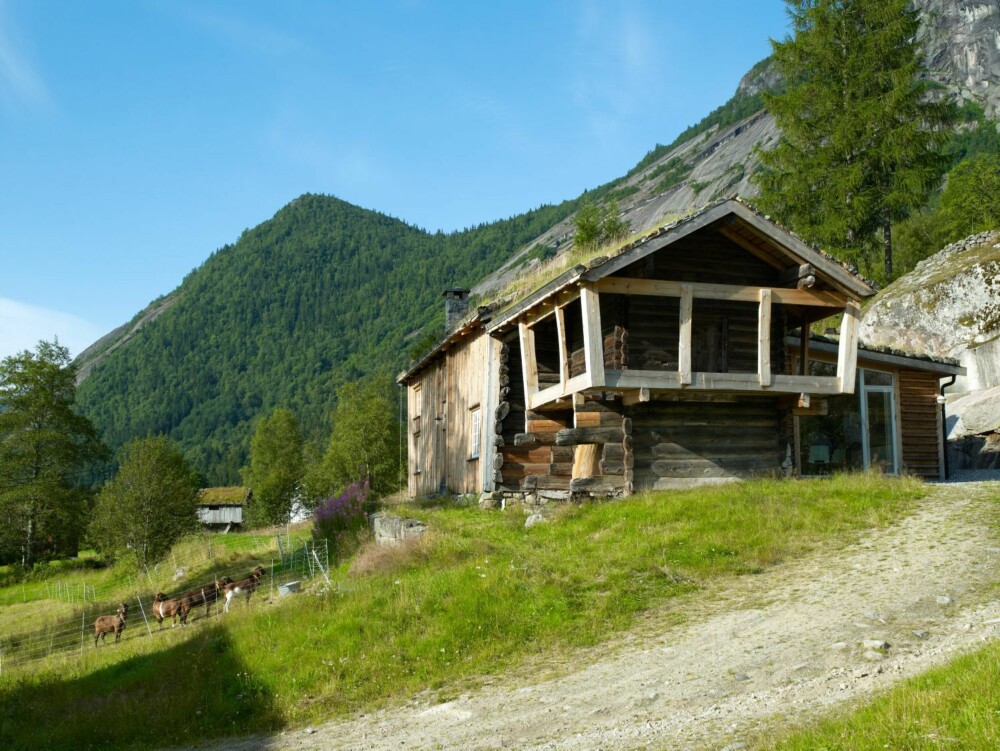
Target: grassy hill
(480, 594)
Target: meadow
(478, 595)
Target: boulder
(975, 413)
(948, 306)
(390, 529)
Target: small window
(417, 401)
(476, 433)
(416, 453)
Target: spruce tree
(862, 135)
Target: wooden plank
(593, 342)
(561, 336)
(764, 339)
(731, 292)
(529, 365)
(847, 355)
(804, 349)
(684, 346)
(545, 396)
(658, 380)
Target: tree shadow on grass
(194, 690)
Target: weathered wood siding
(920, 423)
(441, 437)
(677, 443)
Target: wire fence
(285, 560)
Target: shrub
(340, 518)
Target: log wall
(678, 443)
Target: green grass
(479, 595)
(956, 706)
(41, 613)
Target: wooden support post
(593, 342)
(563, 357)
(804, 348)
(764, 338)
(684, 348)
(529, 365)
(847, 356)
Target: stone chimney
(456, 306)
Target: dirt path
(785, 643)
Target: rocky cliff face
(962, 40)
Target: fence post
(320, 565)
(272, 578)
(143, 611)
(83, 630)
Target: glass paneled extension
(858, 431)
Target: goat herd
(181, 605)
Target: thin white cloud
(22, 326)
(19, 81)
(617, 55)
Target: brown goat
(181, 605)
(167, 608)
(111, 624)
(247, 585)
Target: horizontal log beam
(732, 292)
(601, 484)
(580, 436)
(655, 380)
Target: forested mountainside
(322, 293)
(326, 292)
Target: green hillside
(322, 293)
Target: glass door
(878, 405)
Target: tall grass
(480, 594)
(952, 707)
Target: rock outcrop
(962, 43)
(948, 306)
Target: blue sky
(138, 136)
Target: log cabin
(677, 360)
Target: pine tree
(862, 136)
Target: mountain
(322, 293)
(326, 292)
